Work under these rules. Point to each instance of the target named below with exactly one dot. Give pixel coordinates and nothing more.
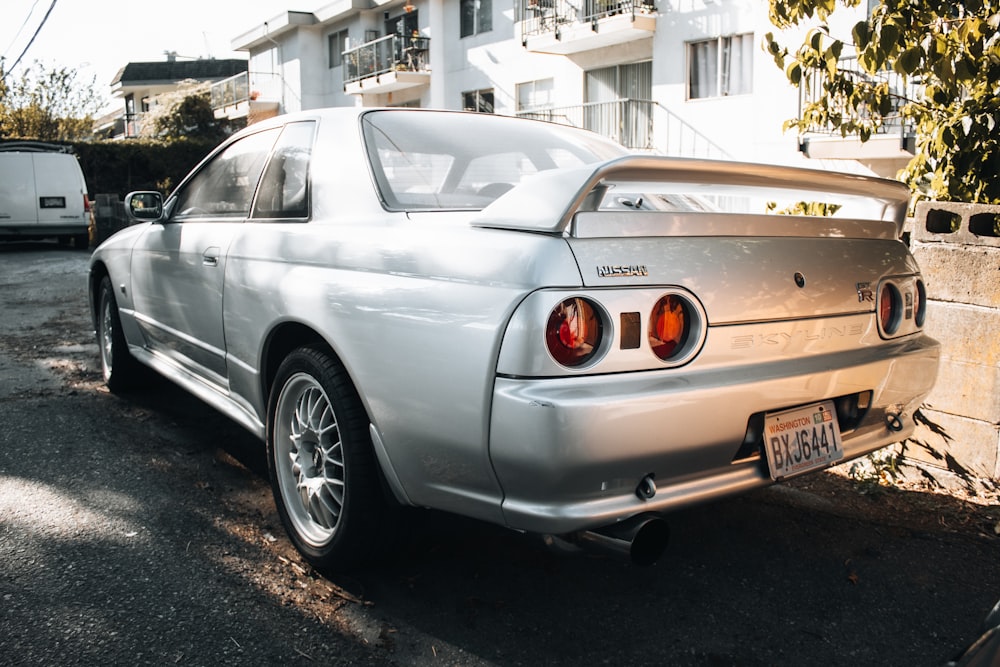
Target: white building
(681, 77)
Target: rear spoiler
(549, 200)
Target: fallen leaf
(853, 578)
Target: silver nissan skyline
(516, 321)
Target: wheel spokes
(315, 457)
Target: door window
(225, 186)
(284, 189)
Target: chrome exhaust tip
(642, 539)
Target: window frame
(481, 18)
(546, 85)
(335, 59)
(720, 84)
(479, 101)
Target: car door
(179, 265)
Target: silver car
(516, 321)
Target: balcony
(628, 122)
(247, 94)
(387, 64)
(891, 140)
(574, 26)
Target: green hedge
(119, 167)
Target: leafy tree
(185, 113)
(48, 104)
(950, 50)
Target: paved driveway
(141, 531)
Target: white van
(42, 194)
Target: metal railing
(901, 90)
(245, 86)
(541, 16)
(230, 92)
(628, 122)
(392, 53)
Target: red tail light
(574, 332)
(890, 308)
(86, 204)
(669, 326)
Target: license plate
(52, 202)
(802, 439)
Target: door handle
(210, 257)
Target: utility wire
(23, 24)
(32, 40)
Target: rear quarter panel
(416, 310)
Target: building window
(336, 45)
(533, 95)
(477, 16)
(720, 67)
(478, 100)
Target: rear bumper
(569, 452)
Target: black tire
(322, 466)
(120, 369)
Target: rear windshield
(463, 161)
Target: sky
(99, 37)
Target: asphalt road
(140, 530)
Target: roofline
(273, 27)
(289, 21)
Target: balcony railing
(901, 90)
(230, 92)
(246, 87)
(542, 16)
(628, 122)
(392, 53)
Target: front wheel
(120, 369)
(322, 467)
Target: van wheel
(120, 369)
(323, 471)
(81, 241)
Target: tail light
(86, 204)
(676, 329)
(574, 332)
(901, 306)
(890, 309)
(920, 309)
(669, 326)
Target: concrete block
(967, 334)
(968, 381)
(959, 444)
(961, 274)
(977, 223)
(968, 390)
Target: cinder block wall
(958, 248)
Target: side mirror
(144, 205)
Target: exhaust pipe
(642, 538)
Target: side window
(284, 190)
(225, 186)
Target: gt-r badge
(865, 292)
(622, 271)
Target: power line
(23, 24)
(32, 40)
